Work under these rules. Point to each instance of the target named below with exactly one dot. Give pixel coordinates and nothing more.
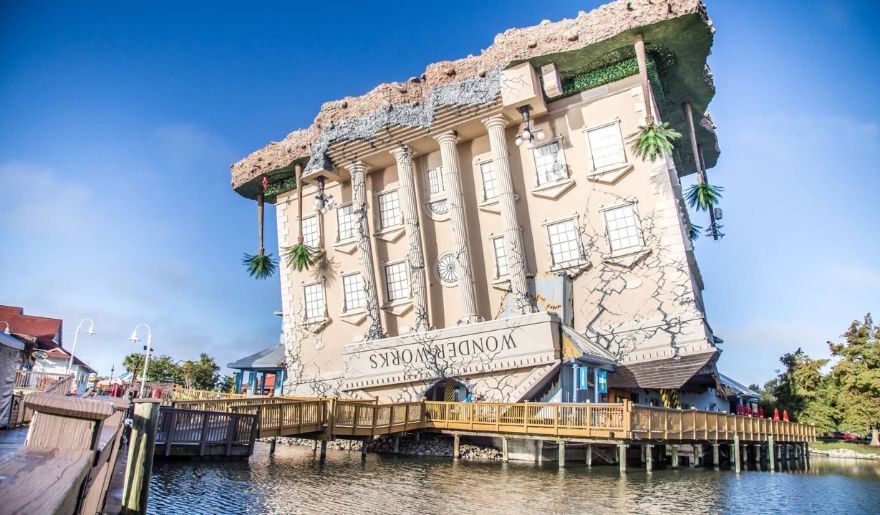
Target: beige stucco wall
(637, 311)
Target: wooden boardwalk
(612, 429)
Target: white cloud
(35, 199)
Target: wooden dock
(188, 432)
(609, 431)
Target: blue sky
(119, 121)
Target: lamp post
(148, 348)
(89, 332)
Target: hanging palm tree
(703, 196)
(694, 232)
(299, 256)
(653, 140)
(260, 265)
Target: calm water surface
(293, 481)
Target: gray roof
(590, 350)
(738, 388)
(267, 359)
(664, 373)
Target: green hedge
(277, 188)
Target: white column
(452, 183)
(415, 255)
(358, 172)
(516, 258)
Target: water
(293, 481)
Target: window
(396, 281)
(311, 232)
(623, 228)
(606, 146)
(439, 208)
(550, 163)
(314, 299)
(501, 269)
(355, 297)
(446, 268)
(435, 181)
(490, 187)
(345, 222)
(564, 242)
(389, 210)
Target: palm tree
(261, 265)
(300, 255)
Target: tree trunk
(260, 221)
(298, 171)
(875, 437)
(642, 60)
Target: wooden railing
(228, 404)
(191, 394)
(68, 458)
(43, 381)
(650, 422)
(357, 418)
(587, 420)
(287, 417)
(203, 433)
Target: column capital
(401, 152)
(355, 166)
(497, 120)
(446, 136)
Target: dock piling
(675, 456)
(561, 451)
(504, 452)
(771, 454)
(649, 457)
(139, 467)
(272, 446)
(323, 457)
(621, 453)
(737, 462)
(395, 440)
(806, 455)
(589, 455)
(363, 450)
(697, 450)
(716, 456)
(455, 446)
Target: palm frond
(299, 256)
(260, 266)
(704, 196)
(653, 140)
(694, 232)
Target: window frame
(406, 282)
(493, 240)
(380, 225)
(493, 180)
(582, 255)
(566, 175)
(339, 211)
(638, 226)
(323, 316)
(318, 231)
(623, 152)
(345, 307)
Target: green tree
(202, 374)
(807, 393)
(857, 376)
(134, 363)
(161, 369)
(227, 385)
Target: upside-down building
(487, 229)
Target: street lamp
(90, 332)
(148, 348)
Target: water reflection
(293, 481)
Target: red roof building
(41, 332)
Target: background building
(492, 233)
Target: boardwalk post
(716, 456)
(561, 451)
(323, 456)
(455, 446)
(697, 450)
(621, 453)
(504, 457)
(395, 440)
(807, 454)
(540, 451)
(363, 450)
(272, 446)
(203, 435)
(649, 457)
(771, 453)
(737, 463)
(674, 456)
(589, 453)
(141, 446)
(170, 423)
(759, 461)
